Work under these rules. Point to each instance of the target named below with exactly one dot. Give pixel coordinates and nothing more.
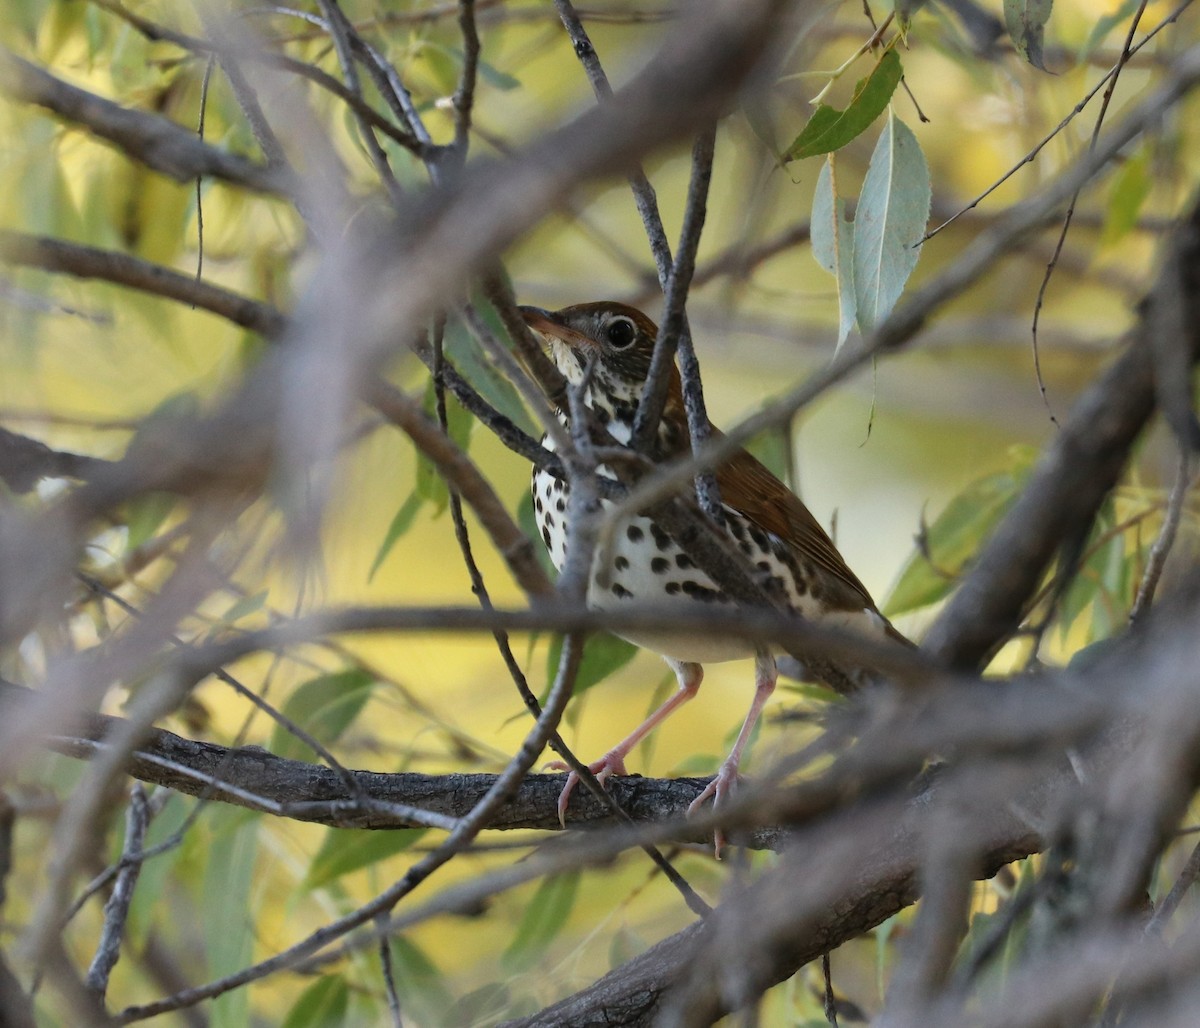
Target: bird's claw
(721, 787)
(610, 764)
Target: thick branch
(151, 139)
(1076, 473)
(19, 248)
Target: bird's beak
(550, 326)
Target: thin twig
(1126, 53)
(1165, 539)
(464, 95)
(116, 910)
(389, 974)
(1077, 109)
(153, 140)
(19, 248)
(339, 29)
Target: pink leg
(689, 677)
(725, 781)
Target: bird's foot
(719, 789)
(612, 763)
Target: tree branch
(151, 139)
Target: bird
(606, 347)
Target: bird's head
(618, 337)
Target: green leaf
(1129, 191)
(418, 981)
(244, 607)
(401, 523)
(484, 1005)
(349, 849)
(146, 908)
(324, 707)
(430, 485)
(323, 1004)
(905, 9)
(757, 112)
(774, 450)
(602, 655)
(1026, 20)
(543, 919)
(144, 516)
(830, 129)
(1104, 26)
(889, 223)
(227, 912)
(955, 536)
(466, 355)
(833, 245)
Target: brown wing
(746, 483)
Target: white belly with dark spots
(643, 568)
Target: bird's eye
(621, 332)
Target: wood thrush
(763, 519)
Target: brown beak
(549, 324)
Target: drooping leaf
(1104, 25)
(1129, 191)
(1026, 21)
(430, 485)
(324, 1004)
(349, 849)
(603, 654)
(758, 117)
(543, 919)
(905, 9)
(830, 129)
(144, 516)
(227, 912)
(465, 354)
(244, 607)
(774, 450)
(890, 221)
(401, 523)
(418, 980)
(833, 245)
(324, 707)
(956, 535)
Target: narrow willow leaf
(244, 607)
(905, 9)
(323, 1004)
(430, 485)
(145, 515)
(830, 129)
(324, 707)
(956, 535)
(227, 913)
(1104, 26)
(401, 523)
(1129, 191)
(543, 919)
(603, 654)
(349, 849)
(890, 221)
(1026, 20)
(465, 354)
(420, 982)
(833, 245)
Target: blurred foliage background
(86, 366)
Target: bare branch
(149, 138)
(18, 248)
